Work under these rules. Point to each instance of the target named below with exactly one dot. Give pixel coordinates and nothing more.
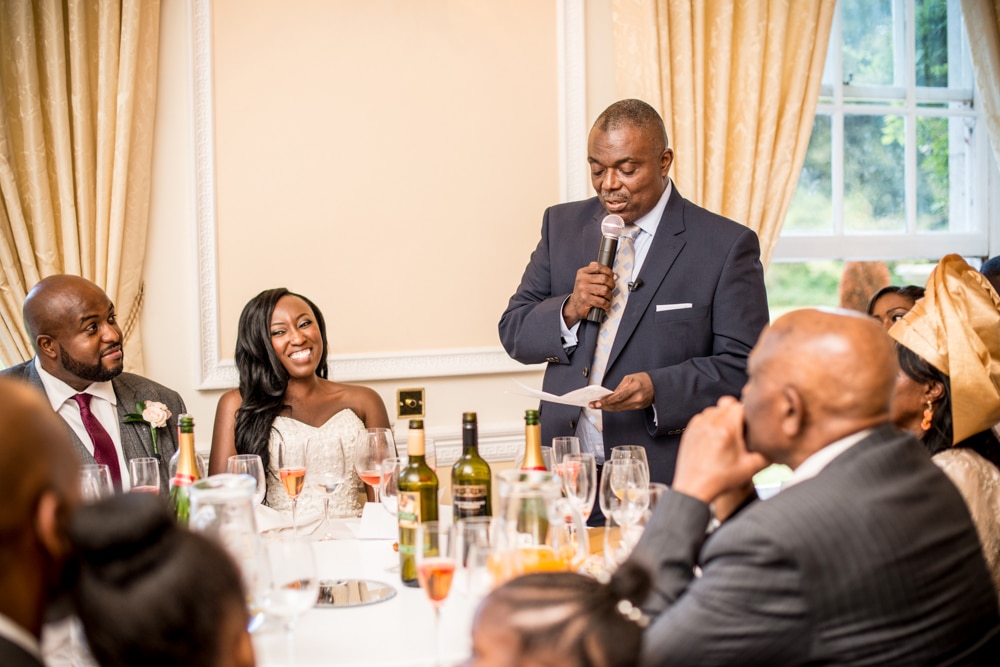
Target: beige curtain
(982, 23)
(77, 99)
(737, 82)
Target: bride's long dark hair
(263, 380)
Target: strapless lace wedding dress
(345, 501)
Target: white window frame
(973, 237)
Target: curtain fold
(737, 84)
(982, 24)
(77, 104)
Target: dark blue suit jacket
(693, 355)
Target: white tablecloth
(399, 631)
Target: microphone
(611, 229)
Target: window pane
(932, 174)
(873, 173)
(867, 33)
(932, 43)
(811, 210)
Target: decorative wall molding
(497, 442)
(220, 373)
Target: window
(897, 162)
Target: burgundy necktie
(104, 446)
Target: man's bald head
(39, 487)
(53, 301)
(815, 377)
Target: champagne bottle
(470, 476)
(532, 442)
(187, 470)
(418, 501)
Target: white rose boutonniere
(152, 413)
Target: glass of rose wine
(145, 474)
(435, 557)
(374, 446)
(292, 471)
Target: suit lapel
(32, 376)
(136, 441)
(663, 250)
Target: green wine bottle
(470, 476)
(187, 470)
(418, 501)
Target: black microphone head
(612, 226)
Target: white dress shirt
(104, 405)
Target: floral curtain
(982, 23)
(77, 102)
(737, 83)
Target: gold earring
(928, 416)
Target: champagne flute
(579, 475)
(327, 471)
(624, 490)
(292, 471)
(374, 446)
(95, 482)
(249, 464)
(435, 558)
(145, 474)
(294, 583)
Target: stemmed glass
(327, 471)
(579, 475)
(145, 474)
(374, 446)
(563, 445)
(294, 582)
(249, 464)
(292, 471)
(473, 549)
(435, 558)
(624, 490)
(389, 471)
(637, 452)
(95, 482)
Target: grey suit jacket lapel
(31, 375)
(136, 439)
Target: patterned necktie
(624, 261)
(104, 446)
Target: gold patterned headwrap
(956, 329)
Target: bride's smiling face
(296, 337)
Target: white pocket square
(671, 306)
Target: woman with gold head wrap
(948, 392)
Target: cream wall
(453, 137)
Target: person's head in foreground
(949, 353)
(561, 619)
(152, 593)
(39, 489)
(889, 304)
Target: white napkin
(376, 524)
(269, 519)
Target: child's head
(561, 619)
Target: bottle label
(409, 509)
(469, 500)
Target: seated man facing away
(867, 556)
(78, 364)
(39, 488)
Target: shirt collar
(814, 465)
(649, 222)
(18, 635)
(59, 392)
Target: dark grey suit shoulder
(875, 561)
(12, 655)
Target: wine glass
(624, 490)
(389, 471)
(145, 474)
(294, 582)
(327, 471)
(95, 482)
(249, 464)
(637, 452)
(473, 549)
(579, 475)
(563, 445)
(620, 540)
(435, 558)
(292, 471)
(374, 446)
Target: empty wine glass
(292, 471)
(144, 473)
(620, 540)
(579, 475)
(294, 582)
(327, 471)
(95, 482)
(624, 490)
(435, 558)
(563, 445)
(389, 483)
(473, 549)
(249, 464)
(637, 452)
(374, 446)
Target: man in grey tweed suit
(78, 350)
(866, 557)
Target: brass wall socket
(409, 403)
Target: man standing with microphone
(684, 299)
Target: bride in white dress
(281, 352)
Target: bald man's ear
(793, 412)
(52, 525)
(47, 346)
